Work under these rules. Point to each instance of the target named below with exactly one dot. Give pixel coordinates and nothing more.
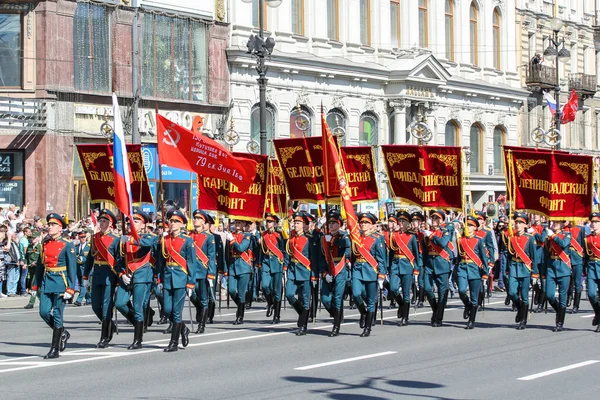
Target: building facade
(377, 66)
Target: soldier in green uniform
(272, 256)
(577, 254)
(105, 256)
(369, 270)
(336, 248)
(592, 266)
(176, 268)
(81, 252)
(558, 267)
(31, 258)
(220, 267)
(416, 219)
(55, 273)
(314, 234)
(239, 268)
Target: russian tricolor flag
(551, 102)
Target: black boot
(298, 307)
(239, 315)
(439, 314)
(507, 300)
(560, 319)
(405, 312)
(434, 305)
(336, 322)
(202, 320)
(363, 315)
(64, 337)
(467, 311)
(369, 320)
(106, 334)
(400, 302)
(270, 302)
(185, 334)
(175, 332)
(56, 335)
(169, 329)
(138, 331)
(421, 297)
(518, 317)
(150, 319)
(211, 312)
(576, 302)
(472, 315)
(302, 323)
(596, 308)
(276, 312)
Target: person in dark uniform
(558, 266)
(56, 271)
(416, 219)
(314, 234)
(539, 232)
(105, 260)
(176, 267)
(239, 268)
(576, 253)
(254, 252)
(31, 258)
(592, 266)
(220, 267)
(337, 251)
(472, 269)
(369, 270)
(81, 252)
(272, 253)
(491, 248)
(159, 231)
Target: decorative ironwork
(364, 159)
(448, 159)
(583, 84)
(580, 169)
(287, 153)
(541, 75)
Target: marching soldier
(239, 268)
(369, 270)
(472, 268)
(272, 253)
(558, 266)
(204, 242)
(136, 275)
(32, 254)
(437, 256)
(314, 235)
(539, 233)
(592, 266)
(105, 256)
(521, 267)
(405, 263)
(55, 273)
(416, 219)
(81, 252)
(254, 252)
(337, 250)
(576, 252)
(300, 271)
(220, 266)
(176, 267)
(490, 246)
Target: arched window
(365, 22)
(368, 130)
(332, 19)
(496, 37)
(499, 140)
(300, 122)
(475, 145)
(473, 18)
(337, 118)
(298, 17)
(395, 22)
(255, 126)
(423, 29)
(450, 30)
(451, 134)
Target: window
(449, 30)
(365, 22)
(91, 48)
(174, 59)
(473, 16)
(332, 19)
(395, 23)
(367, 135)
(451, 134)
(255, 126)
(298, 17)
(475, 147)
(496, 37)
(10, 50)
(423, 27)
(11, 178)
(256, 16)
(337, 118)
(300, 122)
(499, 140)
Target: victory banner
(427, 176)
(276, 200)
(221, 195)
(360, 173)
(556, 184)
(96, 163)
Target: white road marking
(588, 316)
(558, 370)
(346, 360)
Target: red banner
(219, 195)
(96, 163)
(276, 194)
(360, 173)
(427, 176)
(556, 184)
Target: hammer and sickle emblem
(169, 141)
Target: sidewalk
(15, 302)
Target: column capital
(399, 103)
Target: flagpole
(161, 187)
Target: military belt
(361, 259)
(235, 256)
(594, 258)
(55, 269)
(517, 259)
(337, 259)
(96, 262)
(399, 256)
(173, 264)
(294, 260)
(555, 258)
(432, 254)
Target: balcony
(22, 114)
(583, 84)
(540, 76)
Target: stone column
(399, 114)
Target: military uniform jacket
(177, 262)
(556, 254)
(105, 259)
(206, 254)
(32, 254)
(219, 253)
(317, 255)
(254, 249)
(375, 245)
(240, 261)
(298, 258)
(81, 253)
(489, 244)
(437, 255)
(272, 252)
(540, 235)
(140, 258)
(472, 258)
(577, 246)
(517, 266)
(56, 268)
(405, 258)
(339, 248)
(592, 256)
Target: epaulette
(66, 240)
(185, 235)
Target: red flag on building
(569, 111)
(181, 148)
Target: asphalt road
(262, 361)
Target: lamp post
(261, 48)
(552, 54)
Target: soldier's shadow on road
(337, 389)
(70, 345)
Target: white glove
(530, 230)
(380, 283)
(86, 284)
(328, 238)
(33, 293)
(126, 279)
(535, 281)
(328, 278)
(159, 287)
(229, 236)
(189, 292)
(211, 283)
(314, 283)
(67, 296)
(427, 233)
(549, 232)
